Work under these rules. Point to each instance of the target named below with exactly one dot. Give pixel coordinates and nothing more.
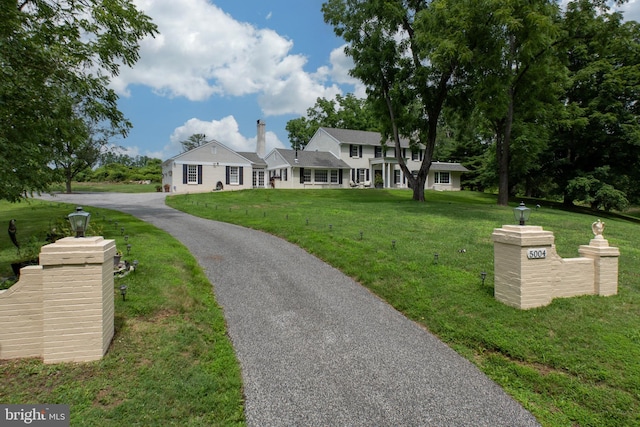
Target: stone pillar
(522, 278)
(78, 299)
(605, 259)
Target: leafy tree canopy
(346, 112)
(56, 58)
(195, 140)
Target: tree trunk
(418, 188)
(67, 180)
(502, 149)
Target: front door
(258, 179)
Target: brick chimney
(261, 139)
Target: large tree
(56, 58)
(597, 143)
(514, 80)
(407, 53)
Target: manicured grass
(572, 363)
(170, 362)
(114, 187)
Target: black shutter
(240, 175)
(367, 179)
(301, 175)
(227, 172)
(360, 151)
(353, 175)
(199, 174)
(339, 176)
(184, 174)
(285, 174)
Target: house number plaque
(537, 253)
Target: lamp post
(522, 213)
(79, 221)
(123, 291)
(483, 276)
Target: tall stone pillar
(78, 299)
(605, 260)
(524, 256)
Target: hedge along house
(214, 166)
(369, 160)
(306, 169)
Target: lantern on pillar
(521, 213)
(79, 221)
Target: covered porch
(385, 168)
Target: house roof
(253, 158)
(448, 167)
(312, 159)
(361, 137)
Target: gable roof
(253, 158)
(203, 147)
(361, 137)
(312, 159)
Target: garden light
(522, 213)
(79, 221)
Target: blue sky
(218, 66)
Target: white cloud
(202, 51)
(225, 131)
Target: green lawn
(572, 363)
(170, 362)
(116, 187)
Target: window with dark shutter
(199, 174)
(240, 174)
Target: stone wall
(529, 273)
(63, 309)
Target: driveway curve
(315, 347)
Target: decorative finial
(598, 229)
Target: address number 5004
(540, 253)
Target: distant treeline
(114, 167)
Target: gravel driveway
(315, 347)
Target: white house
(212, 166)
(306, 169)
(333, 158)
(368, 158)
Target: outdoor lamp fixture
(522, 213)
(135, 264)
(393, 244)
(435, 258)
(126, 237)
(122, 231)
(128, 248)
(123, 291)
(483, 275)
(79, 221)
(361, 235)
